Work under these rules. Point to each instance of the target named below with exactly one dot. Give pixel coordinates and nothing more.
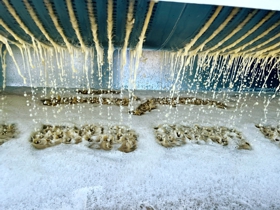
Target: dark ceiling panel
(172, 25)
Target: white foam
(192, 176)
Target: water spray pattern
(206, 66)
(93, 136)
(225, 63)
(178, 135)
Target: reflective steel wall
(157, 71)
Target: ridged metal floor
(171, 27)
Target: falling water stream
(231, 75)
(50, 89)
